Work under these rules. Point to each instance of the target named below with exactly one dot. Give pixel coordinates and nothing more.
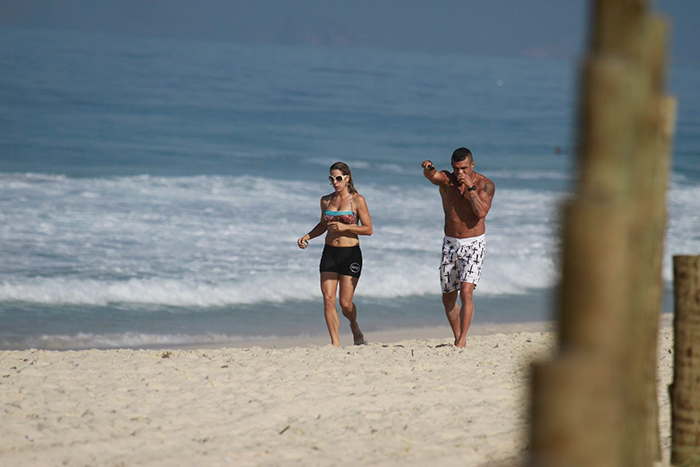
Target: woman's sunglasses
(339, 178)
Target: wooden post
(609, 110)
(616, 26)
(640, 446)
(567, 430)
(595, 288)
(685, 390)
(575, 406)
(595, 403)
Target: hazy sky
(547, 28)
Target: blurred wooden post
(575, 407)
(567, 429)
(685, 391)
(595, 403)
(640, 437)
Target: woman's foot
(357, 336)
(360, 340)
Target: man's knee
(466, 290)
(447, 296)
(449, 299)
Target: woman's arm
(317, 231)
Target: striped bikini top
(344, 217)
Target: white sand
(417, 402)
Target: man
(466, 199)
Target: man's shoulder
(481, 178)
(487, 183)
(449, 178)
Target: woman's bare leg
(347, 292)
(329, 285)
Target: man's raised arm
(431, 173)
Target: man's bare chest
(453, 200)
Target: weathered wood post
(575, 402)
(595, 403)
(640, 436)
(685, 390)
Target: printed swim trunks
(462, 259)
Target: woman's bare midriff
(342, 240)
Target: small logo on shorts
(354, 268)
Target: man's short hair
(462, 154)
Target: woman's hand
(303, 242)
(336, 227)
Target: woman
(344, 215)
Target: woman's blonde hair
(345, 170)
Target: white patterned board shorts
(462, 259)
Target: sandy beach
(411, 402)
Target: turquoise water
(151, 191)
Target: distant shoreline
(386, 337)
(377, 337)
(320, 340)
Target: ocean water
(151, 190)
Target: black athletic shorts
(346, 261)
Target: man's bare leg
(449, 301)
(466, 313)
(347, 292)
(329, 285)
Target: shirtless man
(466, 199)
